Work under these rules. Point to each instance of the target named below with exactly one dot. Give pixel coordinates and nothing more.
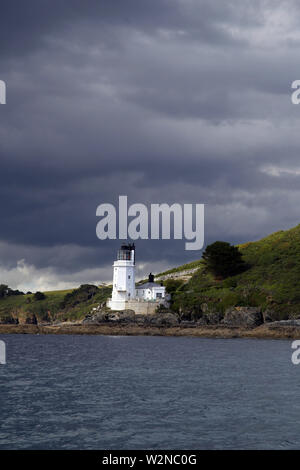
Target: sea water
(118, 392)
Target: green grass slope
(183, 267)
(54, 307)
(271, 282)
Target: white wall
(123, 280)
(150, 294)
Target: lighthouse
(123, 278)
(143, 298)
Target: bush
(161, 309)
(39, 296)
(172, 285)
(84, 293)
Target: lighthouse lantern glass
(123, 255)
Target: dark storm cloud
(25, 26)
(165, 101)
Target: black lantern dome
(124, 253)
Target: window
(124, 255)
(128, 276)
(159, 295)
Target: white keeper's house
(142, 298)
(150, 290)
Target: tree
(223, 259)
(39, 296)
(6, 291)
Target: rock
(162, 319)
(129, 316)
(188, 324)
(213, 318)
(31, 320)
(156, 319)
(279, 323)
(184, 275)
(243, 317)
(140, 319)
(9, 320)
(268, 315)
(210, 318)
(126, 315)
(113, 317)
(104, 316)
(95, 318)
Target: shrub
(39, 296)
(82, 294)
(172, 285)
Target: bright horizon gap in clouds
(278, 171)
(26, 277)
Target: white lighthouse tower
(123, 278)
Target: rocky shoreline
(265, 331)
(238, 322)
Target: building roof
(148, 285)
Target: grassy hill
(272, 282)
(182, 268)
(63, 305)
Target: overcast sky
(183, 101)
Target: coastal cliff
(264, 297)
(239, 322)
(265, 331)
